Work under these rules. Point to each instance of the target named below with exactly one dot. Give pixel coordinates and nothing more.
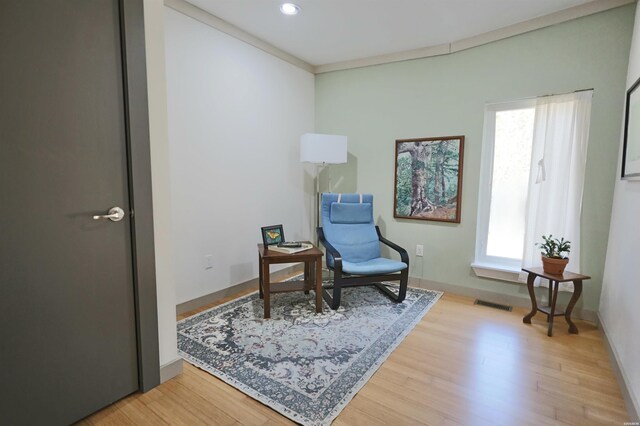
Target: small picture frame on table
(272, 235)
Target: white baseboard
(491, 296)
(170, 370)
(210, 298)
(505, 299)
(630, 400)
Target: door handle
(115, 214)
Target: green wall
(446, 95)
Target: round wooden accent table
(554, 283)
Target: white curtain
(559, 155)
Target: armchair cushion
(356, 242)
(351, 213)
(375, 266)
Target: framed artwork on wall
(631, 148)
(272, 235)
(428, 180)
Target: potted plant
(554, 254)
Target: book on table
(292, 248)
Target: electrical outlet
(419, 250)
(208, 261)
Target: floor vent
(493, 305)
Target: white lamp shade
(319, 148)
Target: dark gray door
(67, 318)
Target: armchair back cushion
(348, 226)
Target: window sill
(496, 272)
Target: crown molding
(561, 16)
(555, 18)
(206, 18)
(425, 52)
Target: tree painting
(429, 178)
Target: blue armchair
(352, 242)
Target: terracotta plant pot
(552, 265)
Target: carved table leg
(577, 291)
(549, 298)
(553, 305)
(534, 306)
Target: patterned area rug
(304, 365)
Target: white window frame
(492, 266)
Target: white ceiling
(328, 31)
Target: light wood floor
(462, 364)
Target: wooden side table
(312, 259)
(554, 283)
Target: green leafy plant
(554, 247)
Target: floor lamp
(322, 150)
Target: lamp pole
(321, 167)
(322, 149)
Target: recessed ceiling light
(289, 8)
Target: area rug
(304, 365)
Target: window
(506, 166)
(517, 203)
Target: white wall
(619, 311)
(235, 118)
(156, 86)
